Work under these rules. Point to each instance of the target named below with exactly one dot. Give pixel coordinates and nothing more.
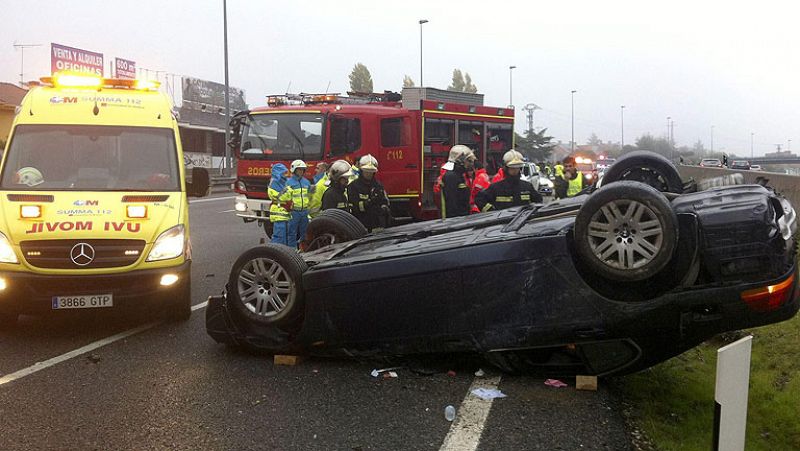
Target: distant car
(755, 167)
(741, 164)
(532, 173)
(711, 163)
(611, 281)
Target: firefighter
(572, 177)
(336, 194)
(480, 181)
(455, 151)
(367, 198)
(299, 189)
(511, 191)
(457, 186)
(281, 206)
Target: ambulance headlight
(7, 254)
(169, 244)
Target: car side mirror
(200, 184)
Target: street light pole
(511, 86)
(572, 141)
(669, 141)
(751, 144)
(22, 48)
(227, 87)
(621, 127)
(422, 21)
(712, 139)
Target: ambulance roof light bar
(78, 80)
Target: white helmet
(339, 169)
(29, 176)
(368, 163)
(456, 151)
(513, 159)
(297, 164)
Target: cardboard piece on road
(586, 383)
(289, 360)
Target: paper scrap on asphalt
(555, 383)
(488, 393)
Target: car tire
(626, 231)
(180, 309)
(645, 167)
(267, 225)
(266, 287)
(332, 226)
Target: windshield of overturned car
(284, 136)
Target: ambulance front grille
(81, 254)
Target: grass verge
(673, 403)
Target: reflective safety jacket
(367, 200)
(279, 195)
(316, 197)
(300, 190)
(335, 197)
(575, 185)
(479, 183)
(507, 193)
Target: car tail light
(769, 298)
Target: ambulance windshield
(91, 158)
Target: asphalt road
(169, 386)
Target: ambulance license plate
(83, 301)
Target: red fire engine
(409, 135)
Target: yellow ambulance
(93, 198)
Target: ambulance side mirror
(200, 184)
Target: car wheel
(180, 309)
(265, 285)
(646, 167)
(267, 225)
(332, 226)
(626, 231)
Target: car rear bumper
(33, 293)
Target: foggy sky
(727, 64)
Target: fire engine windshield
(284, 136)
(91, 158)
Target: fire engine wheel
(266, 286)
(646, 167)
(626, 231)
(332, 226)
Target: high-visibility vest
(575, 185)
(300, 191)
(315, 207)
(276, 211)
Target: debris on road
(488, 393)
(288, 360)
(376, 372)
(450, 413)
(479, 373)
(555, 383)
(588, 383)
(94, 358)
(451, 373)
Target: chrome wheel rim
(625, 234)
(265, 288)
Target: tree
(360, 79)
(537, 146)
(657, 145)
(462, 82)
(458, 83)
(699, 148)
(408, 82)
(594, 140)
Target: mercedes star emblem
(82, 254)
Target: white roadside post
(733, 380)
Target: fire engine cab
(410, 135)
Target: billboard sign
(201, 94)
(63, 58)
(124, 69)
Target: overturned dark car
(611, 281)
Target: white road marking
(211, 199)
(83, 350)
(465, 432)
(227, 211)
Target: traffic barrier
(787, 185)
